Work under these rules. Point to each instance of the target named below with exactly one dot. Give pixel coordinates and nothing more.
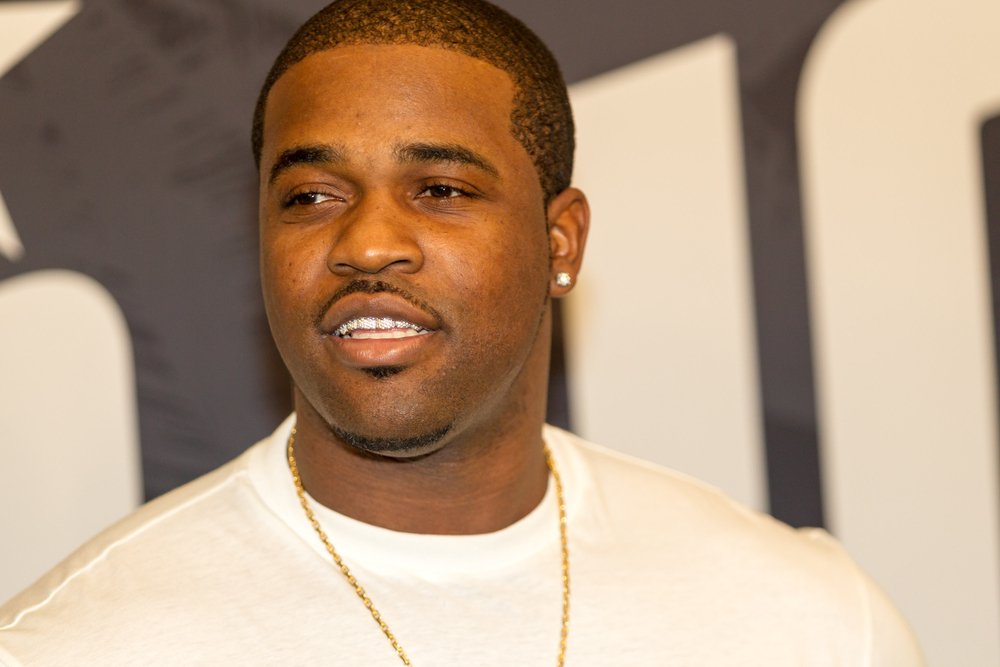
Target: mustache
(374, 287)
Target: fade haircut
(541, 120)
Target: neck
(483, 478)
(474, 484)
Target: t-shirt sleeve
(893, 643)
(888, 640)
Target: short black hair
(541, 119)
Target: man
(416, 220)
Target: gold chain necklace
(370, 606)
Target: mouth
(368, 330)
(378, 328)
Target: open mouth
(378, 328)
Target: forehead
(372, 96)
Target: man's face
(404, 251)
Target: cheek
(501, 268)
(506, 283)
(290, 259)
(284, 283)
(522, 260)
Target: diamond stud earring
(563, 279)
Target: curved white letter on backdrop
(69, 446)
(660, 326)
(891, 104)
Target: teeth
(378, 327)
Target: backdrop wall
(791, 288)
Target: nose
(377, 236)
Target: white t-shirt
(665, 571)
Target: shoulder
(137, 570)
(162, 585)
(630, 486)
(173, 534)
(726, 568)
(154, 533)
(642, 502)
(145, 583)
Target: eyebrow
(419, 152)
(311, 154)
(445, 153)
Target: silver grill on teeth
(375, 324)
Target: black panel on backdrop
(126, 158)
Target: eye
(442, 191)
(309, 198)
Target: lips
(381, 329)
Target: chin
(408, 446)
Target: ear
(568, 216)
